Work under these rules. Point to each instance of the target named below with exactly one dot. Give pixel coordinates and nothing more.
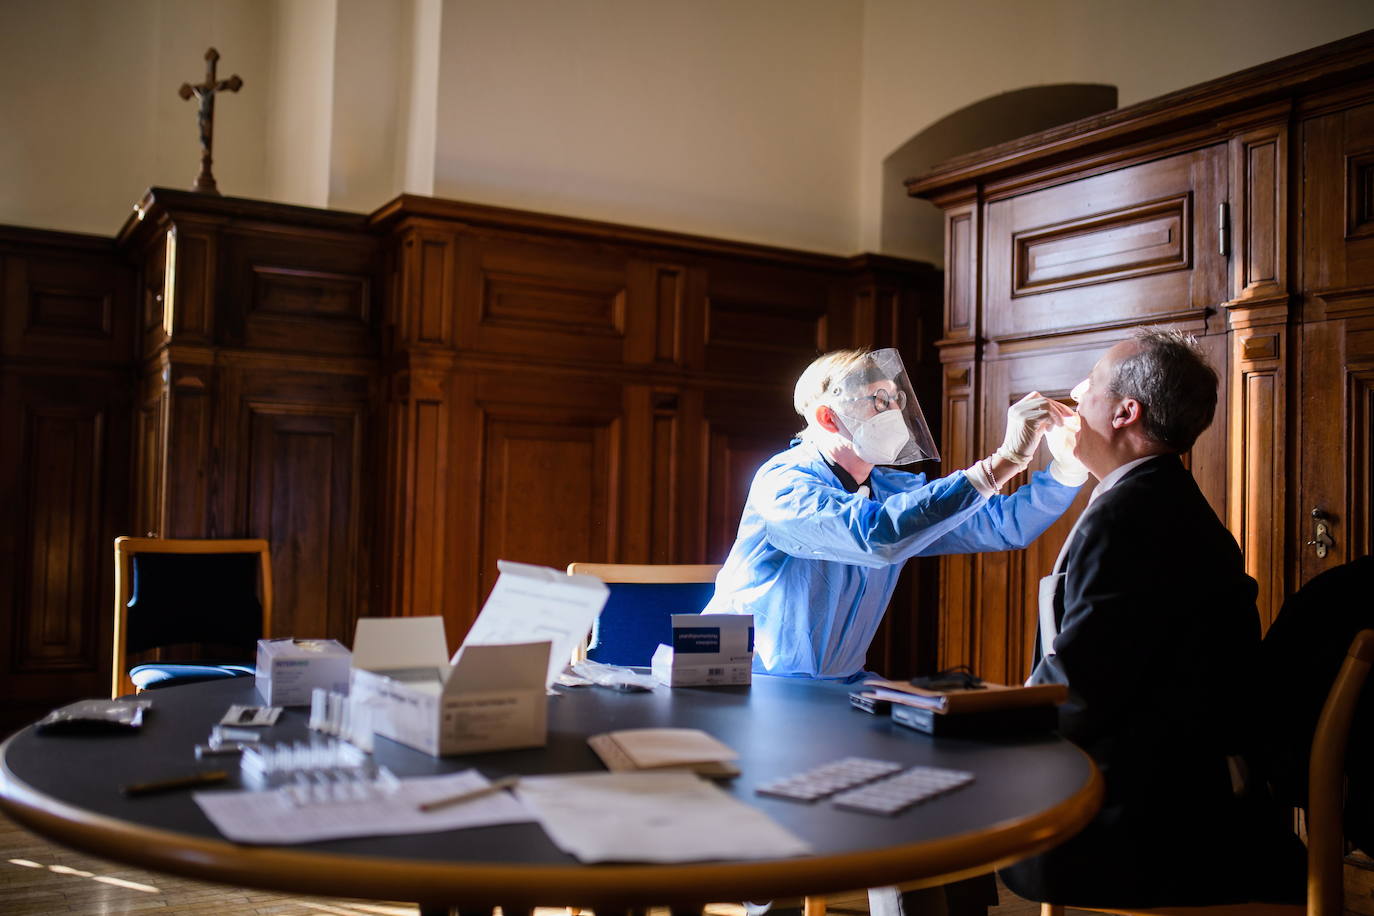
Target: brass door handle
(1321, 534)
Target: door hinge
(1224, 229)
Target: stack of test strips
(868, 786)
(826, 780)
(897, 793)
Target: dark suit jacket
(1158, 636)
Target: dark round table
(1028, 795)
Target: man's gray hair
(1175, 384)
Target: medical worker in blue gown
(827, 528)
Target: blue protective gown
(816, 565)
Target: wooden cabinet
(1241, 210)
(66, 394)
(396, 402)
(258, 400)
(560, 391)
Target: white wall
(300, 112)
(925, 60)
(89, 115)
(734, 118)
(761, 120)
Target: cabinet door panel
(549, 467)
(535, 300)
(298, 476)
(1337, 441)
(1111, 249)
(1338, 210)
(63, 497)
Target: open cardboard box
(493, 694)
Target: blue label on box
(696, 639)
(751, 639)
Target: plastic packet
(95, 717)
(614, 677)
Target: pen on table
(506, 782)
(207, 778)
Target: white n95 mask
(882, 437)
(875, 402)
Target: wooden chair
(179, 601)
(637, 616)
(1325, 788)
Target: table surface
(1027, 795)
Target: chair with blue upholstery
(188, 610)
(638, 613)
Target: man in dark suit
(1150, 620)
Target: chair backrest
(1326, 781)
(643, 598)
(203, 596)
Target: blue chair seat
(157, 675)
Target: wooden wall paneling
(62, 478)
(416, 550)
(1258, 229)
(1337, 439)
(958, 586)
(961, 378)
(568, 303)
(552, 475)
(742, 428)
(71, 305)
(424, 313)
(963, 242)
(767, 323)
(672, 297)
(192, 270)
(660, 486)
(66, 393)
(288, 289)
(150, 451)
(1257, 502)
(1338, 207)
(189, 459)
(297, 452)
(1111, 250)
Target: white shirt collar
(1114, 476)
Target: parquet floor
(38, 878)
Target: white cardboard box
(707, 650)
(289, 669)
(492, 696)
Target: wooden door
(1335, 423)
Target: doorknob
(1321, 534)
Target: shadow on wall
(914, 228)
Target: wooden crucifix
(205, 93)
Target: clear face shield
(878, 409)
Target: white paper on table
(652, 817)
(270, 817)
(533, 603)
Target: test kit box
(490, 698)
(289, 669)
(493, 694)
(707, 650)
